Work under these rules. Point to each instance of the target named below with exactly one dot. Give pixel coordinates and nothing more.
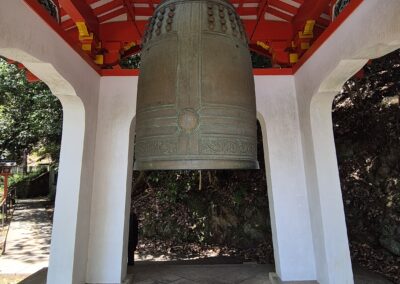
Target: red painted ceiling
(281, 29)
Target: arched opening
(30, 139)
(326, 197)
(203, 217)
(31, 123)
(366, 121)
(47, 109)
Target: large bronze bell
(196, 101)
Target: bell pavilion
(76, 46)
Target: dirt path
(28, 241)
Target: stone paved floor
(164, 273)
(160, 273)
(200, 274)
(28, 241)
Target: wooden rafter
(281, 31)
(80, 11)
(130, 10)
(310, 10)
(260, 15)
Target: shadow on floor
(28, 241)
(190, 273)
(149, 273)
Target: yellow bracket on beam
(129, 45)
(263, 45)
(303, 36)
(309, 28)
(99, 59)
(305, 45)
(82, 29)
(293, 58)
(84, 36)
(87, 47)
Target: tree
(30, 116)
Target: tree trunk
(25, 162)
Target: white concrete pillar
(70, 234)
(287, 193)
(330, 240)
(76, 84)
(67, 263)
(107, 259)
(64, 242)
(325, 198)
(371, 31)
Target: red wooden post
(5, 186)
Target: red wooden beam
(80, 11)
(279, 14)
(261, 8)
(68, 24)
(119, 31)
(112, 15)
(351, 7)
(283, 6)
(130, 12)
(108, 7)
(119, 72)
(299, 1)
(323, 22)
(50, 21)
(131, 15)
(277, 34)
(270, 31)
(246, 11)
(260, 15)
(241, 2)
(272, 71)
(310, 10)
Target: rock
(384, 170)
(344, 151)
(390, 244)
(393, 157)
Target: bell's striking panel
(196, 101)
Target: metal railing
(7, 208)
(29, 169)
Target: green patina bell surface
(196, 101)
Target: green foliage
(21, 182)
(229, 209)
(260, 61)
(131, 62)
(205, 207)
(15, 179)
(30, 116)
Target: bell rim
(203, 164)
